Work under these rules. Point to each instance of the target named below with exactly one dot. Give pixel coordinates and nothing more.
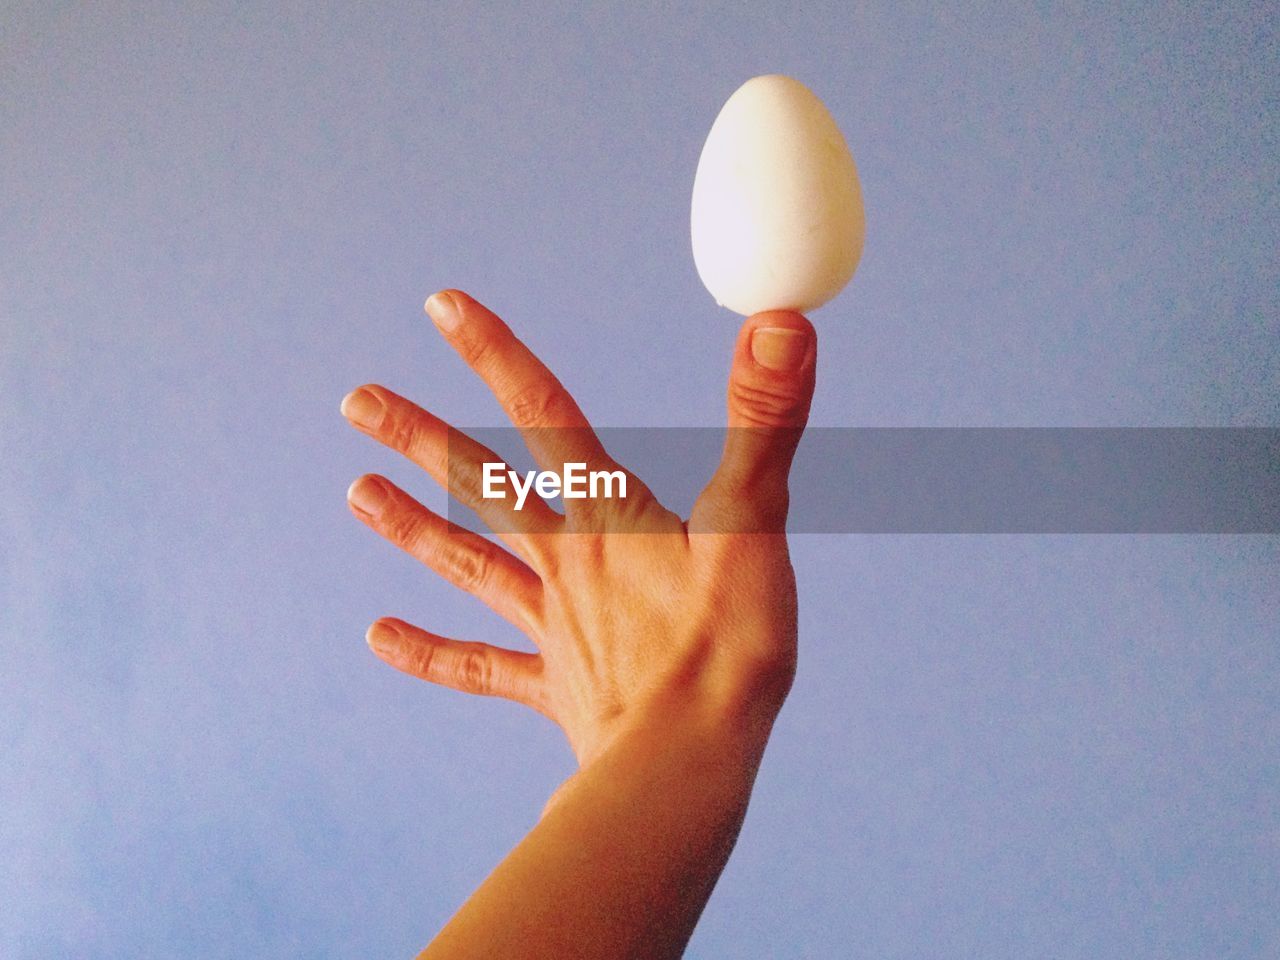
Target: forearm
(624, 860)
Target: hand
(692, 619)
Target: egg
(776, 220)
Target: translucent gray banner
(946, 480)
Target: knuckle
(403, 528)
(423, 661)
(401, 432)
(464, 482)
(470, 570)
(474, 348)
(532, 405)
(764, 406)
(475, 671)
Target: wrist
(699, 715)
(716, 743)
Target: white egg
(777, 218)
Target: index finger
(550, 421)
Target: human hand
(637, 616)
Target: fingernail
(363, 408)
(780, 349)
(443, 311)
(381, 636)
(367, 495)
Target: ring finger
(465, 559)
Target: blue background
(217, 219)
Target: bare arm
(665, 648)
(623, 863)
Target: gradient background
(217, 219)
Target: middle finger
(452, 458)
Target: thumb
(770, 388)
